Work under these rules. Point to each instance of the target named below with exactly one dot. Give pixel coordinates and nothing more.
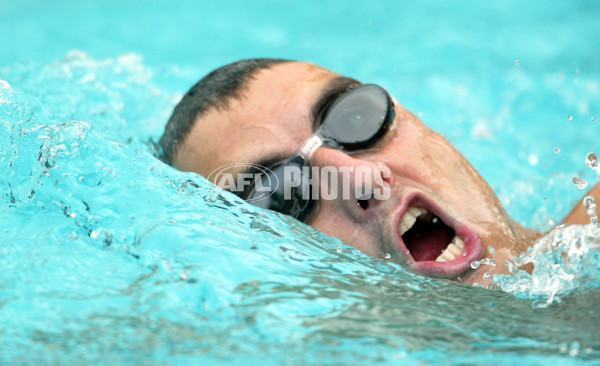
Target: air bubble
(591, 160)
(556, 150)
(563, 347)
(475, 264)
(338, 249)
(388, 256)
(575, 348)
(580, 182)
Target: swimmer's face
(428, 177)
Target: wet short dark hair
(215, 90)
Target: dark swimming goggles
(355, 120)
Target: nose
(357, 185)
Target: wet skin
(273, 119)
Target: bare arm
(578, 214)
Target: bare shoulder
(578, 214)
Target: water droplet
(517, 63)
(593, 119)
(591, 160)
(533, 160)
(487, 275)
(556, 150)
(590, 206)
(558, 90)
(561, 76)
(338, 249)
(496, 278)
(488, 261)
(570, 118)
(580, 182)
(477, 284)
(491, 249)
(475, 264)
(388, 256)
(512, 268)
(434, 220)
(589, 203)
(491, 286)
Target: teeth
(417, 211)
(409, 218)
(447, 255)
(460, 244)
(455, 249)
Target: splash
(565, 260)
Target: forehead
(272, 118)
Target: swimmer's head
(437, 214)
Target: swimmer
(421, 204)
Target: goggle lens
(355, 120)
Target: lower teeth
(454, 249)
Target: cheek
(333, 222)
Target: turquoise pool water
(110, 257)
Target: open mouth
(436, 245)
(428, 238)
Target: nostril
(364, 204)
